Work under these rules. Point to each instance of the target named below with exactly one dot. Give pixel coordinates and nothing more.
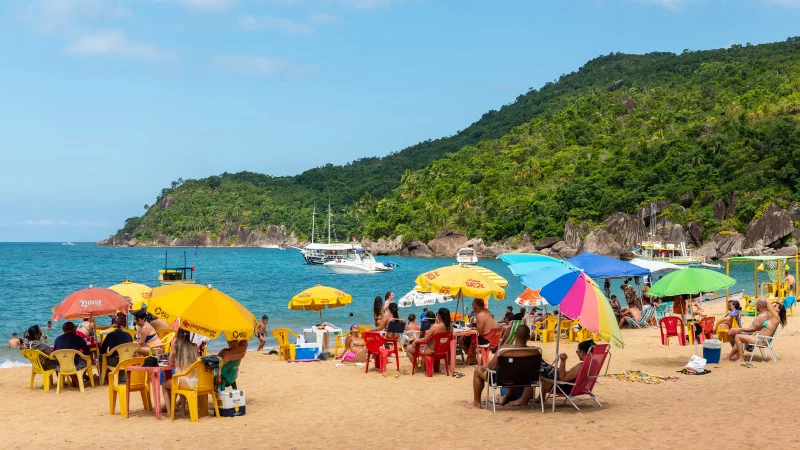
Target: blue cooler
(712, 350)
(304, 352)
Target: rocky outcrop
(544, 243)
(694, 233)
(676, 234)
(729, 245)
(719, 211)
(656, 207)
(599, 241)
(235, 236)
(574, 232)
(567, 252)
(686, 199)
(786, 251)
(416, 248)
(774, 225)
(709, 250)
(447, 244)
(384, 246)
(165, 203)
(558, 246)
(626, 229)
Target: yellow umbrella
(318, 298)
(498, 280)
(168, 288)
(459, 281)
(206, 311)
(136, 293)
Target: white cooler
(231, 403)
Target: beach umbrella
(516, 258)
(318, 298)
(460, 280)
(655, 266)
(417, 298)
(206, 311)
(137, 294)
(167, 288)
(90, 302)
(500, 281)
(530, 297)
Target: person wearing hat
(71, 341)
(114, 338)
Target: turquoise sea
(36, 276)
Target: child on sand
(262, 332)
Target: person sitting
(508, 318)
(441, 325)
(776, 316)
(520, 315)
(759, 322)
(481, 374)
(157, 323)
(235, 351)
(615, 305)
(547, 373)
(114, 338)
(734, 312)
(69, 340)
(631, 311)
(412, 325)
(181, 356)
(355, 349)
(391, 314)
(14, 342)
(33, 340)
(484, 323)
(85, 331)
(147, 336)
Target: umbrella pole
(558, 363)
(693, 334)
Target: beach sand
(317, 405)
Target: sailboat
(316, 253)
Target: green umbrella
(690, 281)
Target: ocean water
(34, 277)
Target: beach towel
(512, 329)
(637, 376)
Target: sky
(104, 102)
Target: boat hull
(344, 268)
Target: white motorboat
(272, 246)
(68, 243)
(357, 261)
(466, 255)
(317, 253)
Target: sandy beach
(319, 405)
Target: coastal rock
(626, 229)
(786, 251)
(133, 242)
(600, 242)
(686, 199)
(418, 249)
(574, 232)
(627, 256)
(708, 250)
(385, 246)
(729, 244)
(695, 233)
(545, 243)
(558, 246)
(676, 234)
(773, 225)
(656, 207)
(719, 211)
(165, 203)
(753, 251)
(545, 251)
(567, 252)
(478, 245)
(447, 244)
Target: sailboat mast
(329, 221)
(313, 214)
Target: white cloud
(115, 43)
(263, 66)
(280, 24)
(209, 5)
(56, 16)
(324, 18)
(64, 223)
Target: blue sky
(104, 102)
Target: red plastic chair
(589, 372)
(672, 326)
(493, 336)
(375, 343)
(708, 325)
(441, 351)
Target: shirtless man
(484, 323)
(758, 323)
(159, 324)
(14, 342)
(480, 376)
(235, 351)
(631, 311)
(789, 282)
(262, 332)
(420, 346)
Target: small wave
(8, 364)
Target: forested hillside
(621, 131)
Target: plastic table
(322, 336)
(155, 385)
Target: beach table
(322, 336)
(454, 343)
(155, 385)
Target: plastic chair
(340, 341)
(138, 382)
(663, 310)
(130, 331)
(205, 386)
(375, 349)
(514, 371)
(722, 333)
(587, 376)
(708, 325)
(548, 333)
(161, 332)
(408, 337)
(672, 326)
(574, 335)
(166, 344)
(441, 351)
(493, 336)
(762, 342)
(282, 336)
(363, 329)
(36, 357)
(124, 351)
(643, 321)
(66, 367)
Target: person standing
(14, 342)
(262, 332)
(607, 287)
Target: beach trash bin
(712, 350)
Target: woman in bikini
(777, 316)
(147, 337)
(356, 349)
(420, 346)
(86, 330)
(181, 356)
(391, 314)
(377, 309)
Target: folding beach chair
(514, 372)
(587, 377)
(643, 322)
(762, 342)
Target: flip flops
(748, 365)
(458, 374)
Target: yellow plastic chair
(134, 334)
(37, 368)
(340, 340)
(722, 333)
(282, 336)
(166, 343)
(548, 333)
(161, 332)
(66, 367)
(125, 351)
(364, 328)
(116, 388)
(205, 386)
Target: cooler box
(231, 403)
(712, 350)
(305, 352)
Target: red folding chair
(493, 336)
(376, 349)
(441, 351)
(587, 377)
(672, 326)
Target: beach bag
(211, 361)
(697, 364)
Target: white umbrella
(655, 266)
(417, 298)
